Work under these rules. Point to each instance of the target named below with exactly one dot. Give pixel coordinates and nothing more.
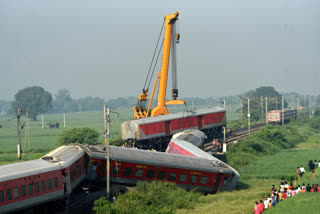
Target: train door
(92, 170)
(101, 170)
(216, 181)
(225, 183)
(167, 127)
(200, 122)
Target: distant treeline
(63, 102)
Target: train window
(55, 182)
(49, 182)
(30, 191)
(1, 196)
(23, 190)
(203, 180)
(15, 192)
(127, 171)
(36, 187)
(171, 151)
(116, 170)
(139, 172)
(179, 153)
(172, 177)
(183, 178)
(193, 179)
(175, 152)
(161, 175)
(150, 174)
(8, 194)
(43, 186)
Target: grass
(257, 178)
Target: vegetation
(78, 135)
(154, 197)
(34, 100)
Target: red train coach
(27, 184)
(129, 166)
(155, 132)
(183, 147)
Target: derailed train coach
(156, 132)
(129, 166)
(185, 148)
(49, 179)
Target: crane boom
(160, 109)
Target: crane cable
(154, 53)
(155, 64)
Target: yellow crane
(169, 40)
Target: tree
(63, 102)
(33, 99)
(78, 135)
(274, 101)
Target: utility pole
(218, 103)
(282, 115)
(106, 111)
(249, 115)
(310, 106)
(261, 101)
(276, 103)
(42, 120)
(266, 110)
(241, 113)
(224, 103)
(19, 135)
(64, 120)
(298, 103)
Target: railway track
(236, 135)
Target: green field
(37, 141)
(257, 178)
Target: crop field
(36, 141)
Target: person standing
(298, 173)
(266, 203)
(261, 206)
(256, 208)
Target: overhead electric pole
(282, 115)
(241, 113)
(249, 115)
(106, 111)
(261, 100)
(19, 135)
(298, 104)
(266, 110)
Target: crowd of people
(285, 191)
(288, 190)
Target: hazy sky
(103, 48)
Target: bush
(267, 141)
(154, 197)
(78, 135)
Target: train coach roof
(64, 155)
(179, 115)
(157, 158)
(200, 153)
(27, 168)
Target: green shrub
(78, 135)
(154, 197)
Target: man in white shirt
(266, 203)
(302, 170)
